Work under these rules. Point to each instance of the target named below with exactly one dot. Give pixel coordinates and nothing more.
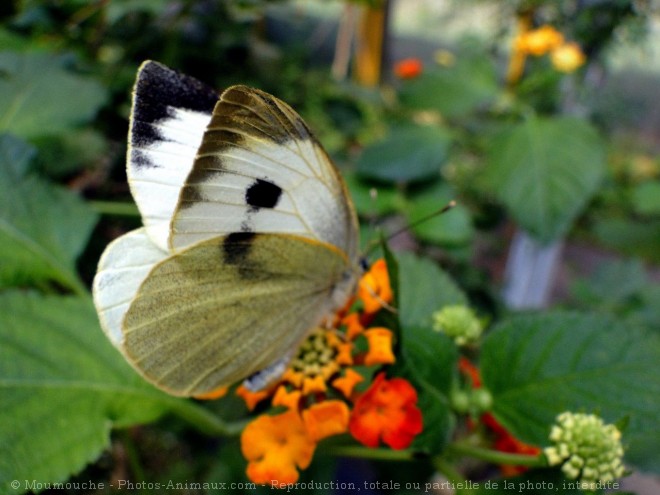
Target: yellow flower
(539, 41)
(276, 447)
(567, 57)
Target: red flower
(503, 440)
(387, 411)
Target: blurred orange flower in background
(319, 387)
(539, 41)
(408, 68)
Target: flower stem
(367, 453)
(132, 456)
(204, 420)
(494, 456)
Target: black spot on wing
(236, 247)
(263, 194)
(236, 251)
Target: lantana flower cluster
(587, 448)
(319, 392)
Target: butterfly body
(250, 238)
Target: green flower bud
(458, 323)
(587, 447)
(460, 401)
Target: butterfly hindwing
(123, 267)
(228, 307)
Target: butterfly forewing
(169, 116)
(259, 169)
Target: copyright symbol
(15, 484)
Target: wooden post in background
(370, 43)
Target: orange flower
(380, 346)
(286, 398)
(345, 384)
(567, 57)
(354, 326)
(326, 419)
(387, 411)
(276, 447)
(214, 394)
(252, 398)
(408, 68)
(374, 289)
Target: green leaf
(407, 153)
(452, 228)
(631, 236)
(424, 288)
(43, 228)
(646, 198)
(454, 91)
(545, 170)
(430, 361)
(537, 366)
(613, 282)
(38, 97)
(62, 388)
(64, 154)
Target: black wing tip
(157, 87)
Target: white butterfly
(250, 238)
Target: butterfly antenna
(425, 218)
(384, 304)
